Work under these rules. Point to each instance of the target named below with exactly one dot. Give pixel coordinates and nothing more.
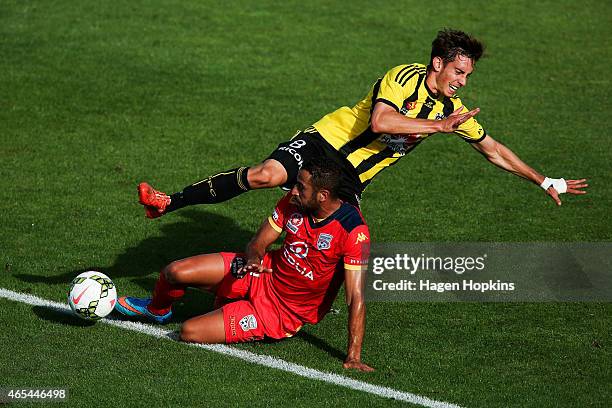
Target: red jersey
(309, 268)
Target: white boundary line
(248, 356)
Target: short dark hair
(449, 43)
(325, 175)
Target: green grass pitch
(97, 96)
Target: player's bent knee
(267, 175)
(209, 328)
(189, 333)
(173, 272)
(196, 333)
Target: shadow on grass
(322, 345)
(194, 303)
(196, 232)
(61, 316)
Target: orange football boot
(155, 202)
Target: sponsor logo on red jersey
(292, 253)
(299, 249)
(233, 325)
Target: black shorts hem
(294, 153)
(476, 140)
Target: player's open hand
(357, 365)
(456, 119)
(573, 187)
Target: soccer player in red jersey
(273, 294)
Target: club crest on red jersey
(324, 241)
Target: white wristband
(558, 184)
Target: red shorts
(251, 310)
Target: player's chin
(450, 91)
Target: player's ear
(323, 195)
(437, 63)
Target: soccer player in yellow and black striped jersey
(355, 133)
(403, 108)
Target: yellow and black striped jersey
(403, 87)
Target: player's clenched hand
(256, 265)
(456, 119)
(357, 365)
(572, 187)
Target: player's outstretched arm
(385, 119)
(354, 284)
(505, 159)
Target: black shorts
(294, 153)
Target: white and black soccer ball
(92, 295)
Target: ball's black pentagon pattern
(105, 283)
(89, 312)
(76, 281)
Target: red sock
(164, 295)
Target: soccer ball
(92, 295)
